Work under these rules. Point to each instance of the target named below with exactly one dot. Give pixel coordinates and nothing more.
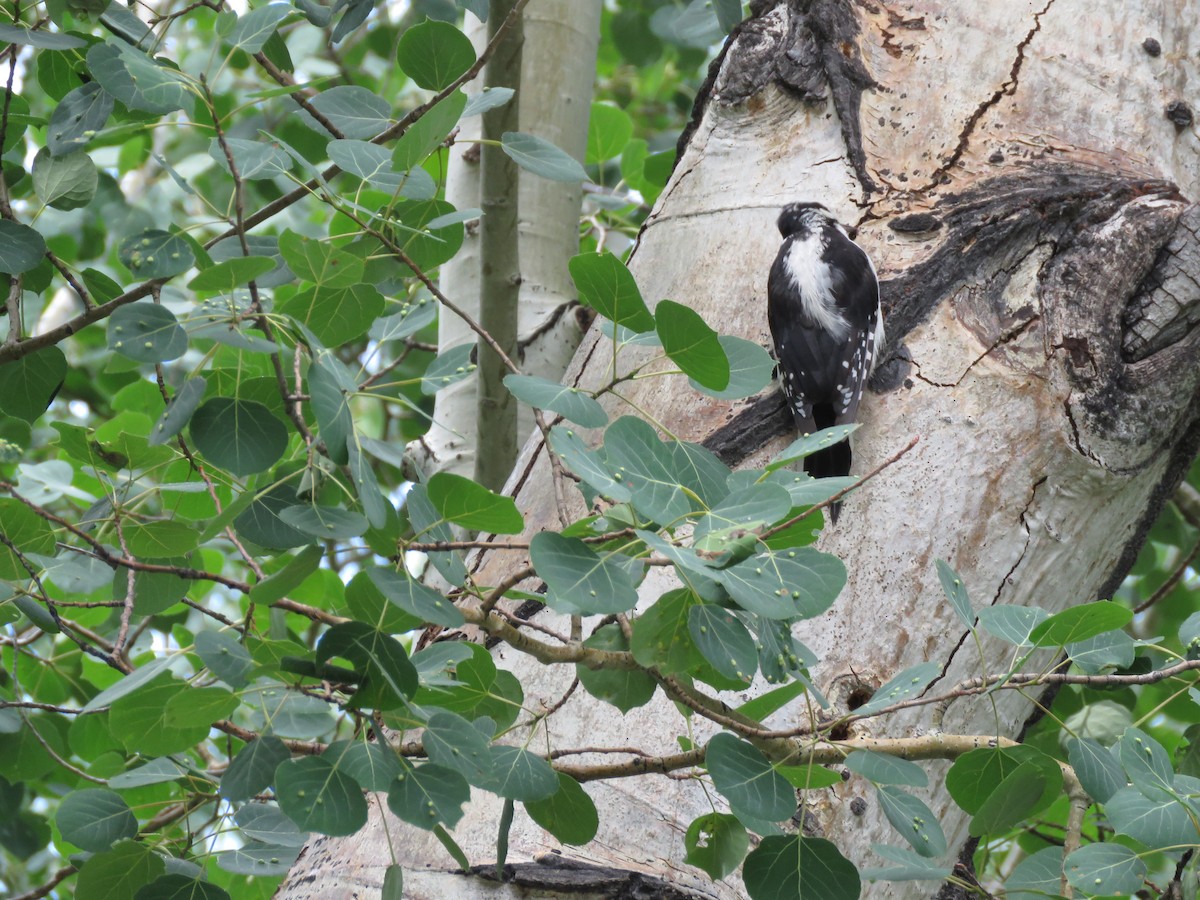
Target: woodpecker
(823, 309)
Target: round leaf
(607, 286)
(1080, 623)
(691, 344)
(415, 598)
(179, 412)
(65, 182)
(723, 640)
(750, 783)
(241, 436)
(21, 248)
(609, 130)
(1105, 869)
(579, 580)
(95, 819)
(625, 689)
(146, 332)
(716, 843)
(156, 254)
(571, 403)
(318, 797)
(471, 505)
(77, 118)
(429, 795)
(28, 385)
(433, 54)
(787, 867)
(569, 814)
(541, 157)
(325, 522)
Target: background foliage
(219, 237)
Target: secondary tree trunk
(1024, 195)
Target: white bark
(559, 67)
(1049, 436)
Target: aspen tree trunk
(1027, 203)
(561, 37)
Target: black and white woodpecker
(823, 309)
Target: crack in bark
(1005, 90)
(1006, 338)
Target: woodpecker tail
(831, 462)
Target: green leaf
(179, 412)
(808, 444)
(625, 689)
(137, 80)
(254, 160)
(373, 765)
(452, 741)
(908, 683)
(1080, 623)
(434, 54)
(203, 704)
(471, 505)
(155, 254)
(429, 231)
(259, 860)
(1012, 623)
(751, 785)
(587, 464)
(750, 368)
(67, 181)
(913, 820)
(378, 509)
(569, 402)
(691, 344)
(429, 526)
(139, 720)
(976, 776)
(1013, 799)
(21, 248)
(517, 774)
(541, 157)
(487, 99)
(607, 286)
(232, 273)
(136, 679)
(43, 40)
(729, 13)
(784, 584)
(427, 795)
(95, 819)
(261, 524)
(29, 384)
(146, 332)
(335, 315)
(253, 29)
(786, 867)
(242, 436)
(578, 579)
(415, 598)
(325, 522)
(810, 778)
(609, 130)
(253, 769)
(1105, 869)
(883, 768)
(1107, 651)
(390, 675)
(645, 467)
(956, 593)
(160, 539)
(320, 262)
(1096, 768)
(373, 164)
(908, 866)
(267, 823)
(716, 843)
(1147, 764)
(740, 512)
(77, 118)
(179, 887)
(118, 872)
(723, 640)
(428, 132)
(318, 797)
(1160, 822)
(27, 531)
(356, 112)
(569, 814)
(225, 657)
(1037, 876)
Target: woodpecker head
(803, 218)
